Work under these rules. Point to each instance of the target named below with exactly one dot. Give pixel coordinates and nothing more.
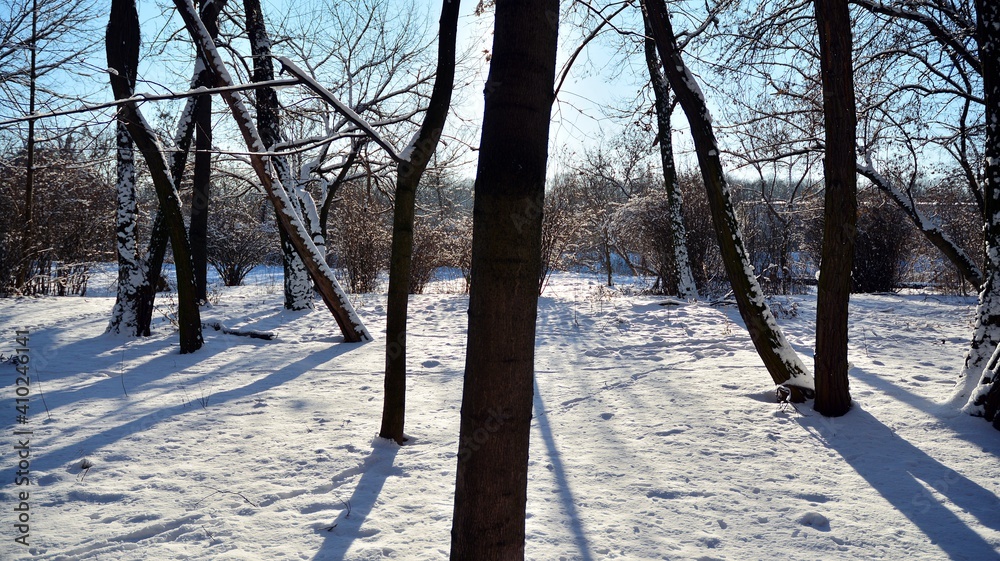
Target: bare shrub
(361, 236)
(73, 206)
(239, 231)
(880, 248)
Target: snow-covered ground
(656, 436)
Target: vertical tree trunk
(124, 316)
(680, 280)
(984, 396)
(122, 42)
(408, 174)
(27, 241)
(491, 485)
(779, 357)
(201, 187)
(833, 19)
(200, 193)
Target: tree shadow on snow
(349, 525)
(54, 458)
(903, 473)
(954, 419)
(559, 473)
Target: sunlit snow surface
(656, 435)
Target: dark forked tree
(123, 53)
(492, 479)
(408, 174)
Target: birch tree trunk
(124, 316)
(780, 359)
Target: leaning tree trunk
(984, 396)
(326, 283)
(680, 279)
(159, 237)
(833, 396)
(298, 288)
(408, 174)
(122, 42)
(781, 360)
(491, 485)
(932, 232)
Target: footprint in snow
(815, 520)
(673, 431)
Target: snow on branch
(333, 295)
(339, 106)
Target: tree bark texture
(833, 19)
(491, 483)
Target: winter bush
(239, 228)
(361, 236)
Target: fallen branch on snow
(253, 334)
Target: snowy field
(656, 435)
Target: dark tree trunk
(159, 237)
(491, 485)
(200, 193)
(122, 54)
(833, 396)
(408, 174)
(201, 186)
(27, 251)
(781, 360)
